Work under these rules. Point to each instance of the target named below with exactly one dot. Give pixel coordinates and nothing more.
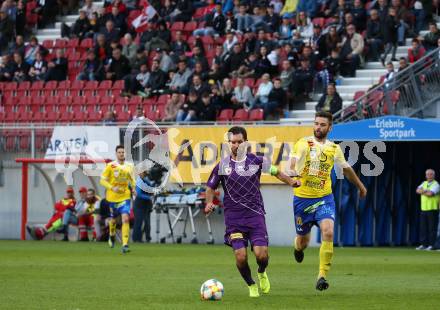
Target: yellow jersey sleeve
(106, 177)
(340, 159)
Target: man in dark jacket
(157, 79)
(6, 28)
(206, 111)
(118, 67)
(277, 98)
(390, 35)
(92, 69)
(374, 36)
(330, 101)
(57, 67)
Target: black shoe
(394, 59)
(382, 61)
(65, 238)
(299, 255)
(322, 284)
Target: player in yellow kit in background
(313, 202)
(118, 179)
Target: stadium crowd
(211, 56)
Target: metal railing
(408, 93)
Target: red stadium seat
(9, 139)
(76, 88)
(190, 27)
(240, 115)
(86, 44)
(256, 115)
(73, 43)
(358, 94)
(48, 44)
(50, 88)
(23, 89)
(225, 115)
(177, 26)
(60, 43)
(135, 100)
(105, 87)
(319, 21)
(163, 99)
(37, 88)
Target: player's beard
(319, 134)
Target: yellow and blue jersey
(121, 176)
(314, 163)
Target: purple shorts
(241, 231)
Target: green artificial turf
(57, 275)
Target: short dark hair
(91, 190)
(326, 115)
(120, 146)
(236, 130)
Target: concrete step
(42, 37)
(351, 88)
(376, 73)
(49, 31)
(69, 18)
(345, 96)
(312, 104)
(359, 80)
(302, 113)
(378, 65)
(58, 24)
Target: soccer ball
(212, 290)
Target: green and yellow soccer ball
(212, 290)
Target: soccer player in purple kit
(245, 222)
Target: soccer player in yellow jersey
(118, 179)
(313, 202)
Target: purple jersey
(241, 185)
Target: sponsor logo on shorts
(299, 221)
(236, 236)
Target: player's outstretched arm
(284, 177)
(353, 178)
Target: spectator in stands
(163, 36)
(172, 107)
(37, 71)
(119, 4)
(215, 23)
(259, 14)
(277, 99)
(57, 67)
(31, 50)
(430, 39)
(140, 115)
(330, 101)
(303, 81)
(390, 35)
(198, 70)
(179, 46)
(6, 68)
(197, 86)
(129, 49)
(263, 91)
(403, 64)
(47, 10)
(304, 25)
(80, 28)
(420, 16)
(272, 19)
(317, 42)
(429, 205)
(216, 74)
(243, 21)
(374, 36)
(389, 77)
(181, 77)
(286, 75)
(183, 11)
(102, 48)
(118, 67)
(142, 208)
(416, 51)
(166, 63)
(118, 19)
(20, 69)
(242, 97)
(359, 15)
(187, 111)
(197, 56)
(285, 30)
(89, 8)
(333, 65)
(93, 70)
(263, 64)
(402, 15)
(109, 118)
(147, 36)
(382, 8)
(262, 40)
(6, 28)
(310, 7)
(221, 56)
(167, 9)
(308, 54)
(110, 32)
(230, 41)
(235, 61)
(277, 5)
(156, 81)
(226, 93)
(206, 111)
(332, 39)
(20, 19)
(351, 50)
(18, 45)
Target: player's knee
(262, 258)
(302, 242)
(327, 234)
(240, 258)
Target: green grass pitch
(56, 275)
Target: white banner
(98, 142)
